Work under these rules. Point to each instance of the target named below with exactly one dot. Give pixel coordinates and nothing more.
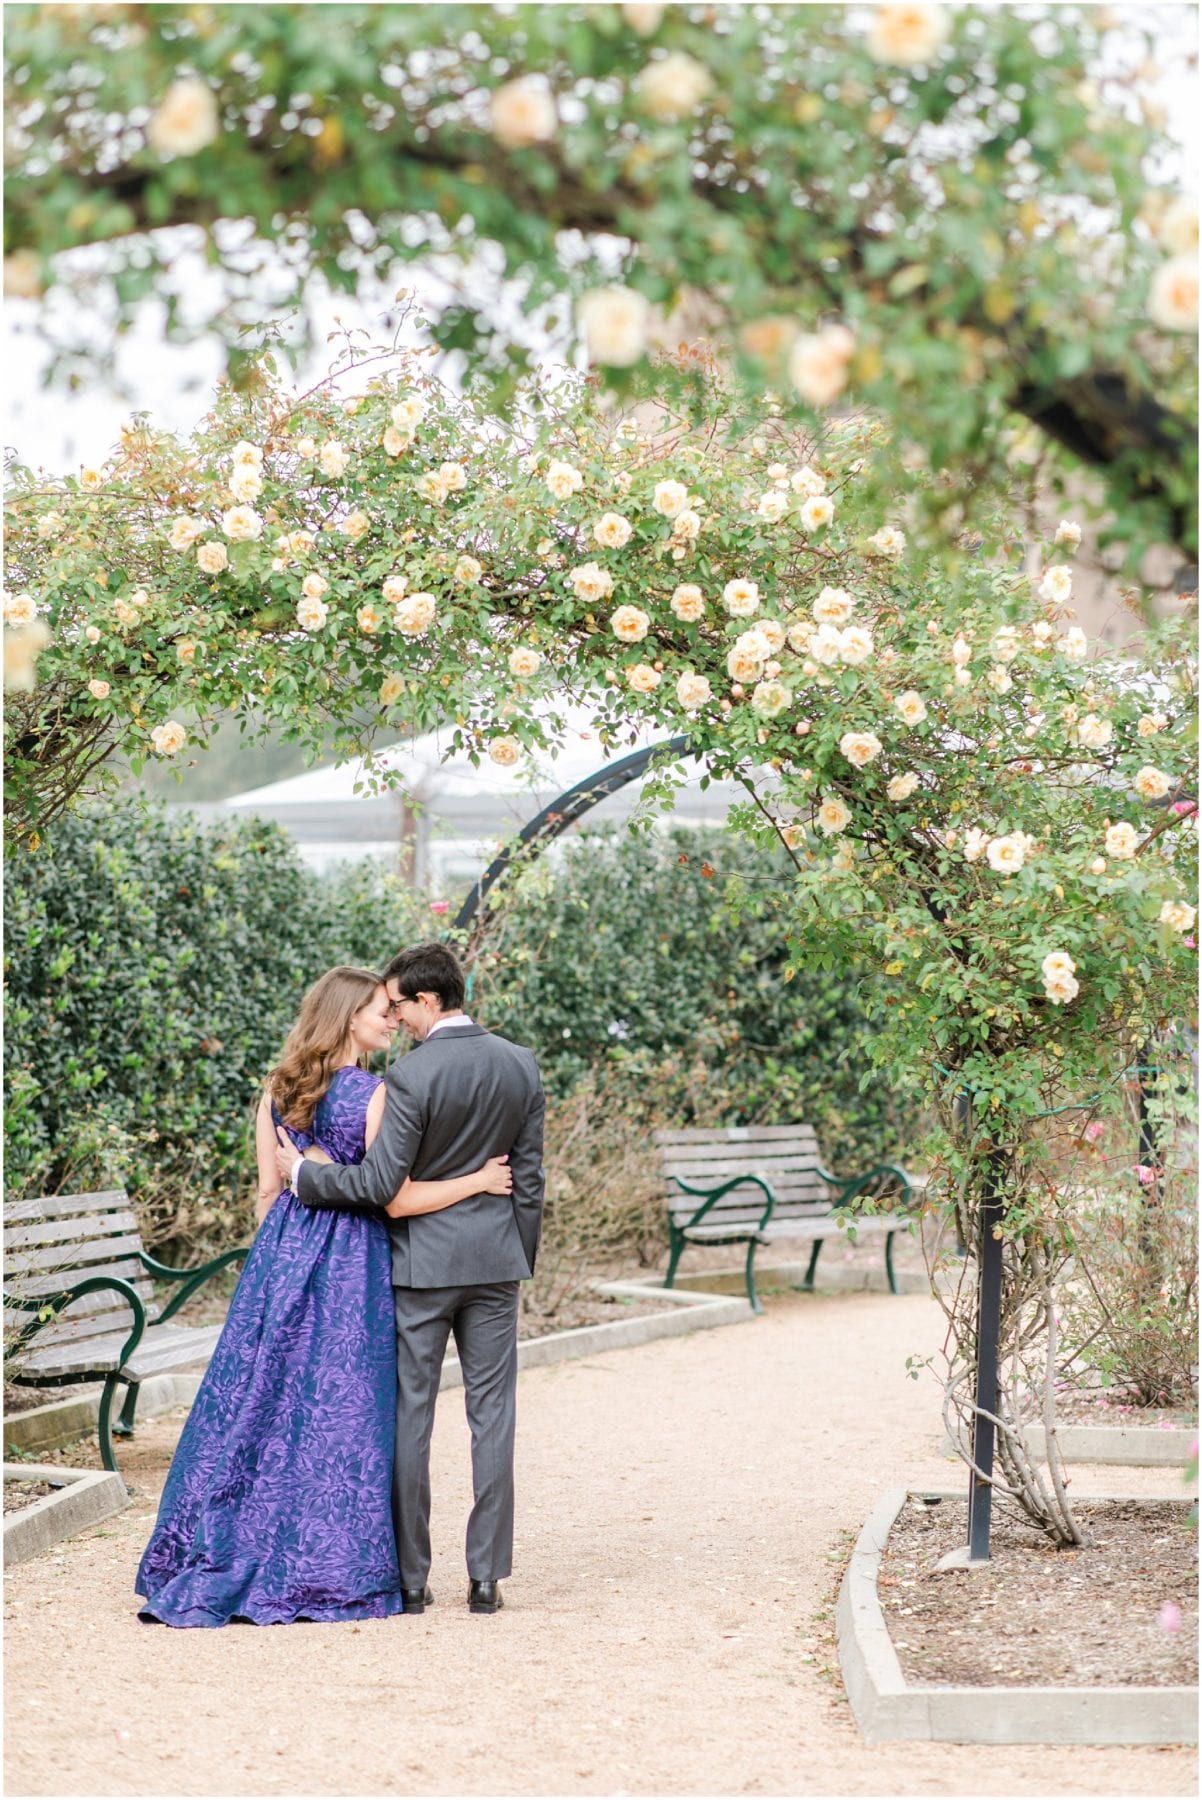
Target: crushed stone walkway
(684, 1510)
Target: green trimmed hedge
(656, 961)
(154, 964)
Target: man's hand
(285, 1155)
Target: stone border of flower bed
(1123, 1446)
(887, 1707)
(85, 1497)
(1119, 1446)
(1131, 1446)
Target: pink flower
(1191, 943)
(1146, 1174)
(440, 906)
(1169, 1617)
(1183, 808)
(1094, 1130)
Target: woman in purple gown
(277, 1504)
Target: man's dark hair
(428, 969)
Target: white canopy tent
(445, 820)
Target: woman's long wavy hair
(317, 1042)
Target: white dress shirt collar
(450, 1024)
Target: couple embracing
(301, 1488)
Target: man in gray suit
(462, 1096)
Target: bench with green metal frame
(765, 1184)
(76, 1263)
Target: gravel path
(684, 1509)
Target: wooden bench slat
(102, 1301)
(795, 1230)
(58, 1206)
(746, 1195)
(74, 1322)
(70, 1231)
(156, 1356)
(73, 1256)
(31, 1286)
(795, 1185)
(839, 1223)
(733, 1214)
(731, 1133)
(163, 1347)
(727, 1164)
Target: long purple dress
(277, 1504)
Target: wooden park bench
(765, 1184)
(75, 1262)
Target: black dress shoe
(417, 1599)
(484, 1597)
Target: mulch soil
(1122, 1613)
(23, 1493)
(24, 1399)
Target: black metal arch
(571, 805)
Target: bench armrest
(855, 1185)
(191, 1278)
(712, 1195)
(49, 1306)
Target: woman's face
(372, 1027)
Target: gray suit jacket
(458, 1098)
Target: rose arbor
(961, 779)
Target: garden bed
(1123, 1613)
(19, 1494)
(1033, 1647)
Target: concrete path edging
(84, 1497)
(61, 1422)
(886, 1707)
(860, 1277)
(699, 1312)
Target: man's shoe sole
(485, 1606)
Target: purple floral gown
(277, 1504)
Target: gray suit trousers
(484, 1320)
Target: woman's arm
(270, 1184)
(433, 1196)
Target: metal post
(989, 1319)
(1149, 1151)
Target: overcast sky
(59, 431)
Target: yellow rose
(168, 738)
(860, 747)
(630, 624)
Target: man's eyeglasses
(394, 1007)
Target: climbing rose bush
(988, 812)
(989, 809)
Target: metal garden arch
(542, 830)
